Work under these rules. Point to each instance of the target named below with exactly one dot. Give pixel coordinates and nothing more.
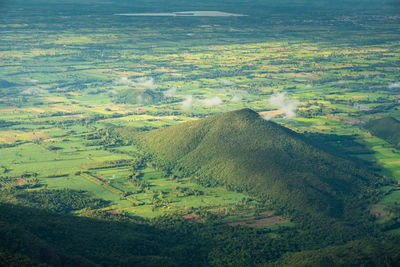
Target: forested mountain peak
(248, 153)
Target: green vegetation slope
(387, 128)
(356, 253)
(244, 151)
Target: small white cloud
(287, 105)
(394, 85)
(143, 82)
(236, 98)
(170, 92)
(139, 99)
(113, 92)
(237, 95)
(266, 117)
(228, 83)
(34, 91)
(124, 81)
(210, 102)
(188, 102)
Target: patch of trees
(53, 148)
(8, 123)
(56, 114)
(185, 191)
(311, 112)
(60, 201)
(24, 181)
(109, 164)
(368, 252)
(108, 239)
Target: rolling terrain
(199, 133)
(323, 194)
(26, 240)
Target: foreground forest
(199, 133)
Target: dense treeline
(60, 201)
(62, 240)
(18, 260)
(370, 252)
(115, 240)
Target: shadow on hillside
(66, 240)
(344, 146)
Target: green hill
(244, 151)
(387, 128)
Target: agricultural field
(69, 76)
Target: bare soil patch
(265, 218)
(192, 217)
(271, 112)
(21, 181)
(113, 211)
